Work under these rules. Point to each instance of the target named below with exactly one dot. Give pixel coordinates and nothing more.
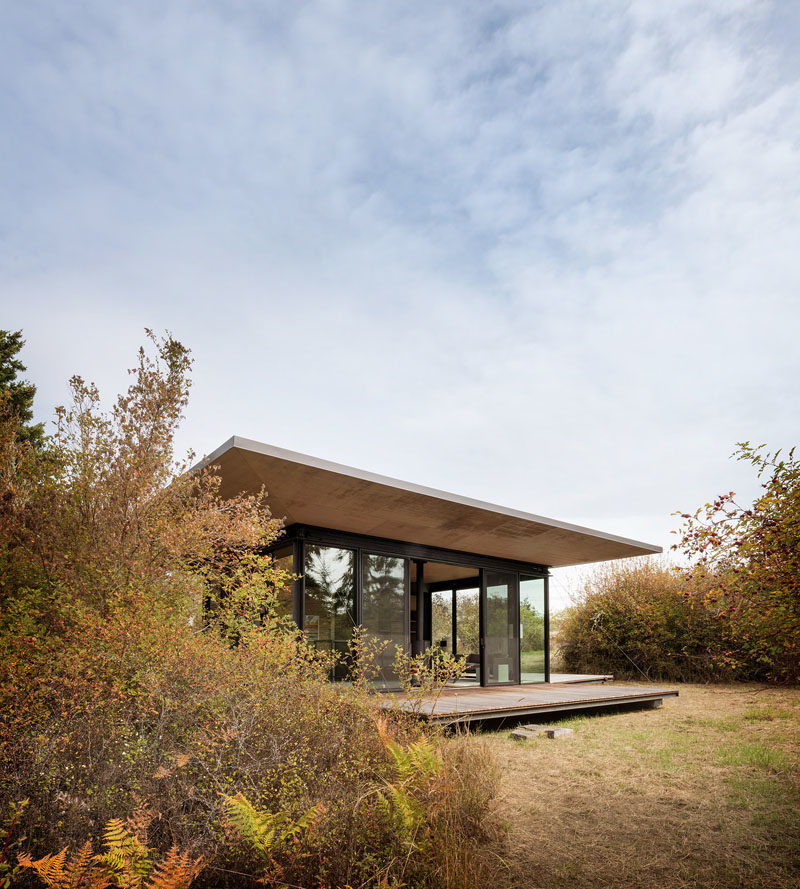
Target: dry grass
(704, 792)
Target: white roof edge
(258, 447)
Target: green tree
(18, 393)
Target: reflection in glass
(468, 634)
(468, 624)
(283, 559)
(383, 613)
(501, 628)
(442, 620)
(531, 628)
(330, 599)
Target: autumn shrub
(423, 823)
(147, 679)
(748, 556)
(732, 613)
(640, 619)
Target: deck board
(465, 705)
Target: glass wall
(501, 628)
(343, 583)
(330, 599)
(531, 629)
(283, 559)
(383, 608)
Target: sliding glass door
(384, 615)
(501, 630)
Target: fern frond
(425, 758)
(126, 856)
(50, 868)
(177, 871)
(265, 831)
(419, 758)
(115, 833)
(82, 872)
(139, 822)
(257, 828)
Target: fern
(177, 871)
(414, 768)
(59, 872)
(127, 858)
(51, 868)
(404, 812)
(268, 832)
(126, 864)
(420, 759)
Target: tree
(752, 556)
(19, 393)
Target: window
(330, 600)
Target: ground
(703, 792)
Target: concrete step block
(522, 734)
(550, 731)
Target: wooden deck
(476, 704)
(580, 678)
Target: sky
(541, 254)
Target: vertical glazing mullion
(357, 588)
(299, 586)
(518, 628)
(453, 624)
(547, 628)
(482, 624)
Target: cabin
(415, 567)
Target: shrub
(640, 619)
(123, 701)
(734, 613)
(750, 555)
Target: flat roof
(309, 491)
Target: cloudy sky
(543, 254)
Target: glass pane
(468, 634)
(283, 558)
(383, 613)
(468, 625)
(442, 620)
(330, 599)
(531, 628)
(501, 632)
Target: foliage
(127, 863)
(734, 614)
(414, 766)
(277, 838)
(144, 664)
(18, 394)
(639, 619)
(750, 558)
(424, 676)
(421, 821)
(10, 842)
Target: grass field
(704, 792)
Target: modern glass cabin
(415, 567)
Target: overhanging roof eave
(316, 467)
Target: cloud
(543, 254)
